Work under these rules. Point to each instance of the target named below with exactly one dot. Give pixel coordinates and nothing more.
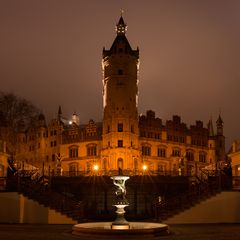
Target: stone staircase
(199, 191)
(59, 202)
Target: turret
(219, 124)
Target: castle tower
(120, 65)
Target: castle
(123, 140)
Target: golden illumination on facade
(123, 139)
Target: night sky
(50, 54)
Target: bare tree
(15, 113)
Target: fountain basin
(137, 230)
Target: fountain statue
(120, 228)
(121, 201)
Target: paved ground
(63, 232)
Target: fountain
(120, 228)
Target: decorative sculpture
(121, 201)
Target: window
(91, 150)
(120, 127)
(189, 155)
(120, 50)
(135, 164)
(146, 150)
(120, 163)
(73, 152)
(182, 139)
(176, 152)
(88, 167)
(160, 168)
(162, 152)
(132, 129)
(104, 165)
(53, 157)
(202, 157)
(73, 169)
(120, 72)
(120, 143)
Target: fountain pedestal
(120, 222)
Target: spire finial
(122, 11)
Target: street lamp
(144, 167)
(95, 167)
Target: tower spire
(121, 27)
(210, 128)
(59, 113)
(219, 123)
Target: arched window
(202, 157)
(190, 155)
(73, 152)
(91, 150)
(146, 150)
(161, 151)
(176, 152)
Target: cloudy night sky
(50, 54)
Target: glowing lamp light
(144, 167)
(95, 167)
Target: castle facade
(123, 140)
